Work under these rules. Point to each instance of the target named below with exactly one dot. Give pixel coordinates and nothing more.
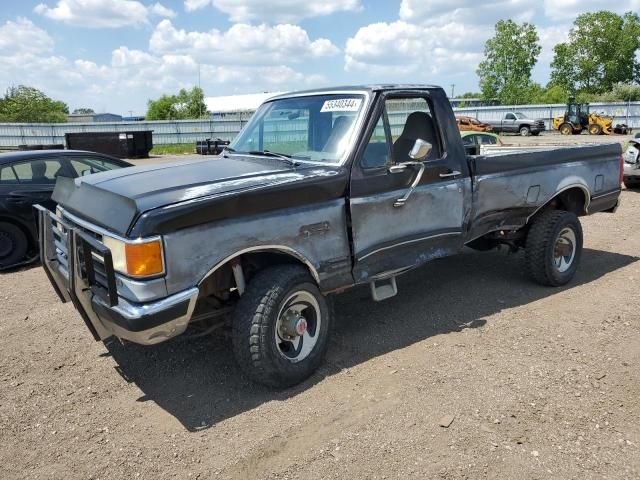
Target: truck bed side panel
(509, 188)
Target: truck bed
(509, 187)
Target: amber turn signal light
(144, 259)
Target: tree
(552, 94)
(83, 111)
(185, 105)
(601, 52)
(509, 57)
(27, 104)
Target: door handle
(401, 201)
(453, 173)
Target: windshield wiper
(281, 156)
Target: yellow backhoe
(577, 118)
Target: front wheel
(13, 244)
(281, 327)
(525, 131)
(631, 185)
(566, 129)
(553, 247)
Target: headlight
(142, 258)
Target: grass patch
(173, 149)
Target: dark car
(28, 178)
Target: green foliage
(185, 105)
(551, 94)
(83, 111)
(27, 104)
(470, 95)
(173, 149)
(600, 53)
(621, 92)
(509, 57)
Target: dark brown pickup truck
(321, 191)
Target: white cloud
(569, 9)
(241, 44)
(191, 5)
(161, 11)
(103, 13)
(133, 76)
(465, 11)
(275, 11)
(23, 37)
(411, 48)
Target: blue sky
(114, 55)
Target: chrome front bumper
(104, 312)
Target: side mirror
(420, 150)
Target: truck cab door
(404, 212)
(509, 123)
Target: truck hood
(155, 199)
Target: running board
(383, 289)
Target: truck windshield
(316, 128)
(520, 115)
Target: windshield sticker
(341, 105)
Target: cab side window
(510, 116)
(411, 119)
(376, 153)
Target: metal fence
(226, 128)
(628, 113)
(164, 132)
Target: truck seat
(418, 125)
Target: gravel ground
(533, 382)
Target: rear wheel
(13, 244)
(281, 327)
(566, 129)
(553, 247)
(595, 129)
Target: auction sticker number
(342, 105)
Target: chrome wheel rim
(565, 250)
(298, 326)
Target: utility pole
(130, 113)
(199, 88)
(453, 86)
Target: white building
(237, 103)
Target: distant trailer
(117, 144)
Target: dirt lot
(541, 383)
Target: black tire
(631, 185)
(535, 134)
(595, 129)
(13, 244)
(525, 131)
(542, 243)
(566, 129)
(255, 333)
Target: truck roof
(359, 88)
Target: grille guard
(80, 272)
